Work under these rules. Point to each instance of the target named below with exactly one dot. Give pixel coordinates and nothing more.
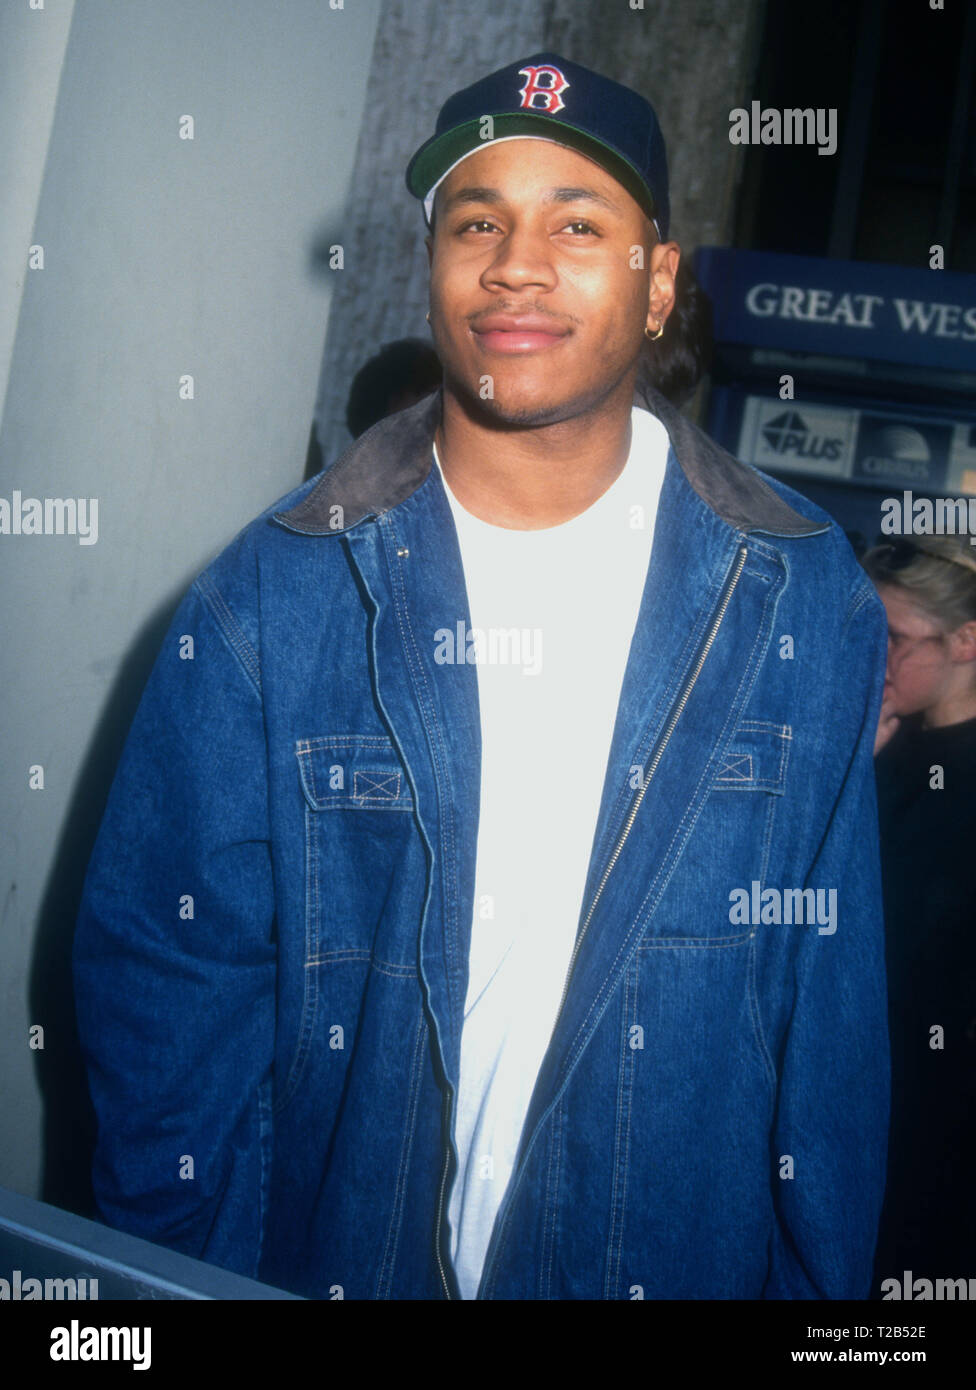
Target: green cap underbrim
(432, 160)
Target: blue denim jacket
(271, 955)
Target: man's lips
(518, 332)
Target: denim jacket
(271, 955)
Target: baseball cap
(549, 98)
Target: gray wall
(162, 257)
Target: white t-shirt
(556, 610)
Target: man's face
(541, 280)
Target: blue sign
(870, 446)
(854, 309)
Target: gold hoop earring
(428, 316)
(653, 337)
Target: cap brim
(433, 160)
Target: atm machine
(853, 382)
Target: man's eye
(581, 228)
(480, 225)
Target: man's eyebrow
(575, 195)
(474, 194)
(482, 194)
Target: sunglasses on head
(898, 554)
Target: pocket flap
(756, 758)
(352, 771)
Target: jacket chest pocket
(365, 866)
(756, 759)
(730, 842)
(352, 772)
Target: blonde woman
(925, 769)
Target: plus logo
(789, 434)
(542, 89)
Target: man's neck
(530, 479)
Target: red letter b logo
(542, 88)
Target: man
(490, 907)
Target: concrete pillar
(32, 47)
(164, 256)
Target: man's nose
(524, 258)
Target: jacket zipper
(652, 766)
(632, 816)
(440, 1200)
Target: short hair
(408, 368)
(676, 362)
(938, 574)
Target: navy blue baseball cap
(547, 97)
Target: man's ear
(665, 258)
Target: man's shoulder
(263, 558)
(833, 536)
(835, 550)
(829, 558)
(816, 543)
(797, 500)
(259, 537)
